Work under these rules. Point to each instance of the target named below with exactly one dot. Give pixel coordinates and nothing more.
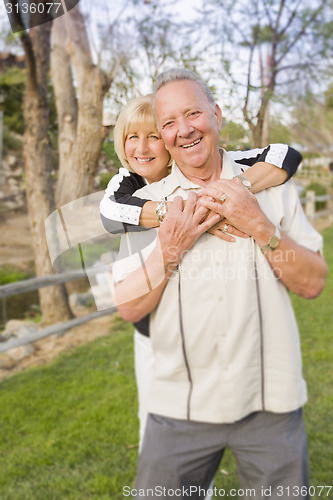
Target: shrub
(10, 142)
(108, 150)
(104, 179)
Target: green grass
(66, 428)
(10, 274)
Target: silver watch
(246, 183)
(161, 211)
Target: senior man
(228, 362)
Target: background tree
(37, 159)
(277, 42)
(151, 39)
(80, 86)
(313, 122)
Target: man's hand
(240, 207)
(182, 226)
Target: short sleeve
(295, 223)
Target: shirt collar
(178, 180)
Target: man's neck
(203, 176)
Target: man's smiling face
(189, 125)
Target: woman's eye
(155, 137)
(133, 136)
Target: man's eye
(194, 113)
(167, 124)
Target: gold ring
(225, 228)
(223, 198)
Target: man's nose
(184, 128)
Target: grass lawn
(67, 429)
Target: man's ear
(218, 114)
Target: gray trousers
(179, 458)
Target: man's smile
(192, 144)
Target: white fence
(309, 203)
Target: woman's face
(146, 154)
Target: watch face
(247, 184)
(274, 242)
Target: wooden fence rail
(54, 279)
(60, 328)
(51, 330)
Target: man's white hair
(179, 74)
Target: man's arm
(300, 269)
(140, 292)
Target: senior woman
(141, 151)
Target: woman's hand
(224, 230)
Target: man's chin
(196, 161)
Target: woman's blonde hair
(133, 115)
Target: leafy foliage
(12, 83)
(108, 150)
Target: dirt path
(15, 240)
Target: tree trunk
(36, 151)
(80, 136)
(90, 135)
(266, 117)
(66, 102)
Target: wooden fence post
(310, 205)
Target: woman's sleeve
(280, 155)
(118, 205)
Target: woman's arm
(118, 205)
(264, 162)
(270, 166)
